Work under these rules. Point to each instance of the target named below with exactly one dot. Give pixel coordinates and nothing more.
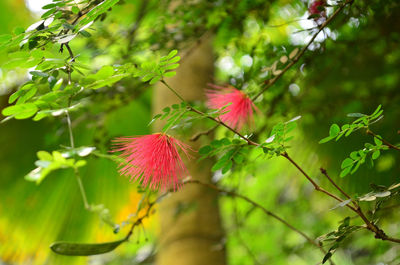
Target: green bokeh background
(355, 72)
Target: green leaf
(174, 60)
(85, 33)
(148, 77)
(205, 150)
(334, 130)
(28, 94)
(239, 158)
(225, 141)
(80, 163)
(75, 10)
(48, 13)
(21, 111)
(155, 80)
(76, 249)
(169, 74)
(327, 257)
(45, 156)
(376, 111)
(377, 141)
(216, 143)
(227, 167)
(170, 66)
(354, 155)
(355, 168)
(109, 81)
(49, 6)
(171, 54)
(104, 72)
(38, 74)
(376, 154)
(57, 85)
(356, 115)
(220, 164)
(95, 12)
(345, 172)
(156, 117)
(350, 130)
(326, 139)
(346, 163)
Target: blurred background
(352, 67)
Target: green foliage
(370, 152)
(229, 152)
(337, 237)
(107, 76)
(276, 144)
(173, 116)
(49, 162)
(103, 43)
(156, 71)
(363, 122)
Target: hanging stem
(76, 171)
(72, 142)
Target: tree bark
(191, 230)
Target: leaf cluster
(156, 71)
(228, 152)
(276, 144)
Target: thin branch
(379, 233)
(71, 54)
(272, 81)
(392, 146)
(325, 173)
(316, 186)
(140, 220)
(173, 90)
(257, 205)
(196, 136)
(250, 142)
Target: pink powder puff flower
(153, 160)
(240, 111)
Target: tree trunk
(191, 231)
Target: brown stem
(316, 186)
(140, 219)
(71, 54)
(325, 173)
(272, 81)
(250, 142)
(383, 140)
(379, 233)
(190, 108)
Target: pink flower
(317, 7)
(153, 160)
(240, 111)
